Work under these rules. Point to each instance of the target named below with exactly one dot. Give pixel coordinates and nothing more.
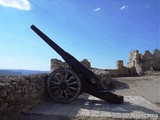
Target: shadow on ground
(117, 85)
(87, 104)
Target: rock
(10, 97)
(103, 75)
(139, 69)
(15, 85)
(4, 106)
(156, 53)
(6, 79)
(18, 97)
(86, 63)
(1, 78)
(8, 89)
(34, 95)
(147, 55)
(23, 82)
(24, 90)
(55, 64)
(3, 85)
(3, 93)
(30, 87)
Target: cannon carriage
(64, 85)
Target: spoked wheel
(64, 85)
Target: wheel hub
(63, 86)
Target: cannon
(64, 85)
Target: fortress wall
(124, 72)
(55, 64)
(144, 62)
(138, 63)
(121, 71)
(20, 93)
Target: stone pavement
(90, 107)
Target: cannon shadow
(117, 85)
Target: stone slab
(87, 106)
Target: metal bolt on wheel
(64, 85)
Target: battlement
(144, 62)
(136, 57)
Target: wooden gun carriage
(64, 85)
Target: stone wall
(137, 65)
(20, 93)
(120, 64)
(55, 64)
(103, 74)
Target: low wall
(123, 72)
(104, 74)
(20, 93)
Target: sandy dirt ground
(145, 86)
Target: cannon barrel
(90, 82)
(70, 60)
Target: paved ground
(140, 94)
(89, 107)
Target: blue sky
(103, 31)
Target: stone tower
(145, 62)
(120, 64)
(134, 61)
(134, 58)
